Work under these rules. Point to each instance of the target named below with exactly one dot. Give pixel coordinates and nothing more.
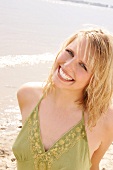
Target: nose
(70, 63)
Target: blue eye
(83, 66)
(70, 52)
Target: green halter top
(70, 152)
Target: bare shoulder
(31, 87)
(29, 90)
(28, 96)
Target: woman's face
(71, 71)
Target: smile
(64, 75)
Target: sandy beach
(36, 27)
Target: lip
(66, 74)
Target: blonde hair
(99, 53)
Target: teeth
(64, 76)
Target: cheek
(83, 76)
(56, 63)
(86, 79)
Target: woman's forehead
(79, 42)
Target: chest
(53, 130)
(53, 127)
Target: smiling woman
(70, 67)
(67, 123)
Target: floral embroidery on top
(44, 160)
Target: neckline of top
(62, 136)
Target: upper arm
(107, 139)
(28, 96)
(98, 154)
(22, 96)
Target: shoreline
(97, 4)
(34, 28)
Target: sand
(10, 118)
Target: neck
(66, 98)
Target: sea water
(31, 31)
